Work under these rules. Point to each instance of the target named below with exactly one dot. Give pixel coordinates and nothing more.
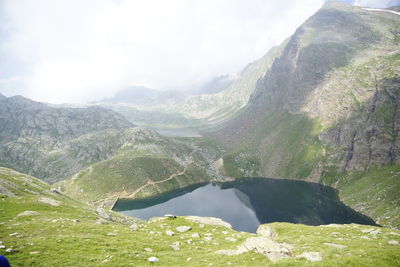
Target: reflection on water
(245, 203)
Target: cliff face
(328, 104)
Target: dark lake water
(247, 203)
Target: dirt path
(172, 176)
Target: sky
(74, 51)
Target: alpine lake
(248, 202)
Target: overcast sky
(72, 51)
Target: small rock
(201, 225)
(28, 213)
(100, 221)
(103, 214)
(263, 245)
(225, 232)
(134, 227)
(266, 231)
(148, 249)
(9, 250)
(153, 259)
(209, 221)
(49, 201)
(189, 259)
(175, 246)
(34, 252)
(156, 219)
(311, 256)
(170, 216)
(2, 247)
(111, 234)
(231, 239)
(394, 233)
(55, 190)
(208, 238)
(371, 231)
(183, 229)
(196, 235)
(335, 245)
(169, 233)
(75, 220)
(13, 234)
(393, 242)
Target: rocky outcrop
(209, 221)
(263, 244)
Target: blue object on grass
(4, 262)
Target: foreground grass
(68, 235)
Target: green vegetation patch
(374, 193)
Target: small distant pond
(177, 132)
(247, 203)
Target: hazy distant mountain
(215, 85)
(22, 117)
(142, 96)
(2, 97)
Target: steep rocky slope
(328, 105)
(40, 226)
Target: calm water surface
(247, 203)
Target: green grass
(374, 193)
(281, 145)
(55, 238)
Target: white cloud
(74, 51)
(375, 3)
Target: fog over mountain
(93, 49)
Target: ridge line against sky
(72, 51)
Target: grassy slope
(162, 164)
(374, 193)
(281, 145)
(53, 238)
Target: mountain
(215, 85)
(211, 109)
(54, 143)
(2, 97)
(21, 117)
(106, 155)
(144, 164)
(153, 118)
(217, 100)
(143, 96)
(41, 226)
(327, 108)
